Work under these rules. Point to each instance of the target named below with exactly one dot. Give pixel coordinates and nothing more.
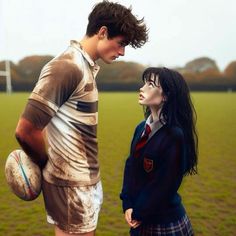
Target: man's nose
(122, 51)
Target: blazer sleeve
(166, 180)
(124, 195)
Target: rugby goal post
(7, 74)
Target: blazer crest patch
(147, 164)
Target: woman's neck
(155, 113)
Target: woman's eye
(151, 84)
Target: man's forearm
(34, 150)
(32, 142)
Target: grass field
(210, 197)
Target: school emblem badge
(147, 164)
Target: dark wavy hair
(177, 110)
(119, 21)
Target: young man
(64, 104)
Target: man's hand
(132, 223)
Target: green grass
(210, 197)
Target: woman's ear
(164, 98)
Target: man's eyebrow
(124, 42)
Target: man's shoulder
(63, 64)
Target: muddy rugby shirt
(65, 100)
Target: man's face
(110, 49)
(151, 93)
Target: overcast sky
(179, 30)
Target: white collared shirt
(155, 125)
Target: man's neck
(89, 45)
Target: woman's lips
(141, 96)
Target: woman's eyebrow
(149, 80)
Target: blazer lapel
(137, 137)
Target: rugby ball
(23, 176)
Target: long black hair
(177, 110)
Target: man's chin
(108, 61)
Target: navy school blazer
(151, 180)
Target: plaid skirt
(180, 227)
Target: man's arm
(57, 82)
(32, 141)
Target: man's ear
(102, 33)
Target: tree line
(201, 74)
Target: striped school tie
(142, 141)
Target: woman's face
(151, 93)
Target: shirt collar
(155, 125)
(76, 44)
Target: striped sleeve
(57, 82)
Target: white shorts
(73, 209)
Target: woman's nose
(141, 89)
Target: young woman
(163, 150)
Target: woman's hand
(132, 223)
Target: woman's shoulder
(174, 132)
(140, 125)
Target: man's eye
(122, 44)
